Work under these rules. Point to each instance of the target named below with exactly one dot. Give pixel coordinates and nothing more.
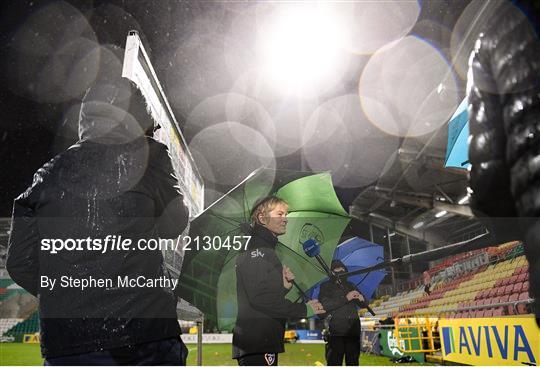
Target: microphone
(313, 249)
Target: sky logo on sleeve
(257, 253)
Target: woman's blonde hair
(263, 206)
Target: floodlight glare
(463, 200)
(299, 47)
(441, 214)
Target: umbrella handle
(304, 295)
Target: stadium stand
(28, 326)
(6, 324)
(497, 287)
(18, 314)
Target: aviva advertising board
(502, 341)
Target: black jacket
(262, 306)
(342, 314)
(114, 181)
(504, 112)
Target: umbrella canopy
(357, 253)
(457, 149)
(208, 277)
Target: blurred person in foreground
(262, 284)
(343, 319)
(116, 180)
(504, 146)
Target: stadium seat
(508, 289)
(525, 286)
(523, 296)
(510, 310)
(499, 311)
(479, 313)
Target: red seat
(488, 313)
(522, 277)
(481, 313)
(499, 311)
(513, 279)
(510, 308)
(523, 296)
(517, 288)
(504, 298)
(500, 291)
(508, 289)
(525, 286)
(496, 300)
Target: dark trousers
(343, 346)
(167, 352)
(262, 359)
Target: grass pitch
(18, 354)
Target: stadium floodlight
(300, 47)
(418, 225)
(441, 214)
(463, 200)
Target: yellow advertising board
(501, 341)
(31, 338)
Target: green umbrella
(208, 278)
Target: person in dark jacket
(262, 284)
(115, 181)
(504, 111)
(343, 319)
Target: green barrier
(389, 345)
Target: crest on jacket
(270, 358)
